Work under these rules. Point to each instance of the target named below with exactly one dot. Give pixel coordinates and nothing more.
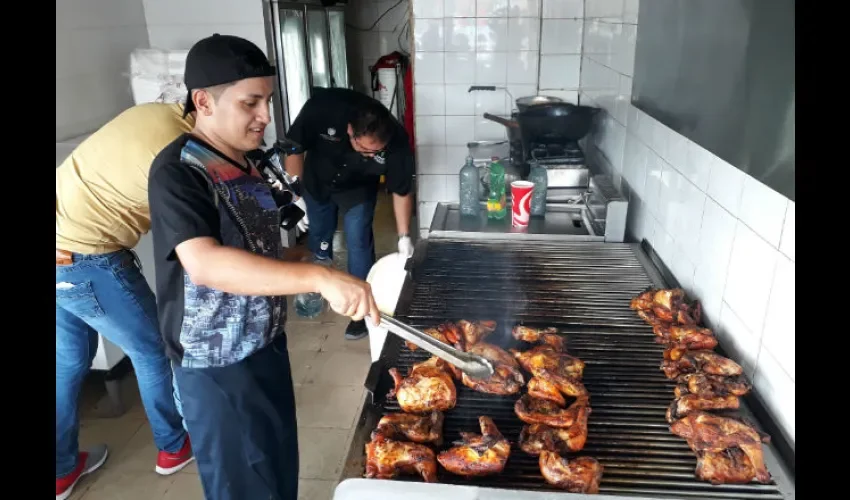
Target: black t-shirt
(195, 191)
(332, 168)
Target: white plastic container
(387, 279)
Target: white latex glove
(304, 223)
(405, 247)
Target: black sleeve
(303, 130)
(182, 207)
(400, 166)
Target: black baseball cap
(221, 59)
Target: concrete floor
(328, 373)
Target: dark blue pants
(241, 419)
(357, 226)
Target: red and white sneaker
(87, 462)
(169, 463)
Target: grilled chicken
(729, 466)
(666, 305)
(534, 335)
(478, 455)
(506, 378)
(532, 410)
(387, 458)
(446, 333)
(580, 475)
(679, 362)
(690, 403)
(428, 387)
(688, 336)
(546, 356)
(536, 438)
(473, 332)
(706, 385)
(543, 388)
(707, 432)
(410, 427)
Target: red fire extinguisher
(386, 74)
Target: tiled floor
(328, 373)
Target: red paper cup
(521, 202)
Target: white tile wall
(365, 47)
(726, 237)
(569, 9)
(94, 39)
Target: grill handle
(473, 365)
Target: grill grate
(584, 290)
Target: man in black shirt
(221, 282)
(350, 141)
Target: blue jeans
(108, 294)
(357, 225)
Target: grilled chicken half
(667, 306)
(473, 331)
(410, 427)
(689, 403)
(708, 432)
(703, 384)
(534, 335)
(580, 475)
(536, 438)
(549, 358)
(688, 337)
(478, 455)
(506, 378)
(729, 466)
(532, 410)
(679, 362)
(428, 387)
(387, 458)
(447, 333)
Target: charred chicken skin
(729, 466)
(532, 410)
(706, 385)
(678, 363)
(478, 455)
(580, 475)
(387, 458)
(410, 427)
(428, 387)
(445, 333)
(689, 337)
(551, 359)
(534, 335)
(708, 432)
(506, 378)
(536, 438)
(689, 403)
(543, 388)
(473, 331)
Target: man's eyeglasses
(364, 150)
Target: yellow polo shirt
(102, 187)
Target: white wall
(94, 39)
(728, 238)
(174, 25)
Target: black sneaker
(356, 330)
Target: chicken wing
(580, 475)
(679, 362)
(708, 432)
(706, 385)
(549, 358)
(478, 455)
(474, 331)
(729, 466)
(688, 336)
(536, 438)
(428, 387)
(386, 459)
(532, 410)
(410, 427)
(690, 403)
(506, 378)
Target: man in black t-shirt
(221, 282)
(350, 141)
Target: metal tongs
(473, 365)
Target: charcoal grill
(584, 290)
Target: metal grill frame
(667, 456)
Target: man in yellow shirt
(101, 212)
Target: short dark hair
(374, 119)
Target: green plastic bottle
(496, 202)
